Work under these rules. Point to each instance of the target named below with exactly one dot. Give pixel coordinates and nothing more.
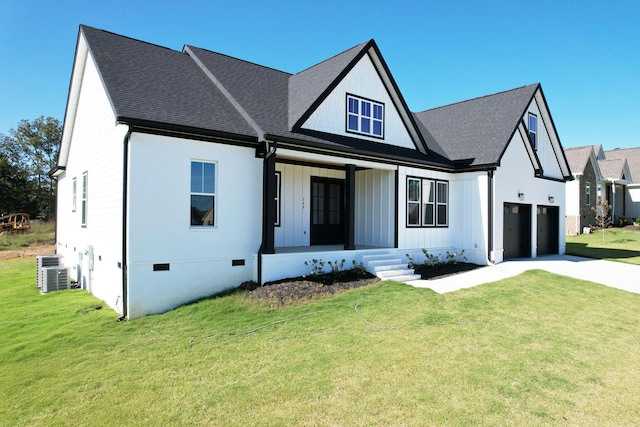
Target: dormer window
(365, 116)
(533, 130)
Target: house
(611, 174)
(185, 173)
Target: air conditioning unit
(42, 261)
(55, 279)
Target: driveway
(614, 274)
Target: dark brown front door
(327, 211)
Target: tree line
(27, 155)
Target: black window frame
(533, 134)
(436, 203)
(359, 116)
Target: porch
(290, 261)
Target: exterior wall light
(551, 199)
(520, 196)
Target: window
(84, 199)
(587, 193)
(533, 130)
(277, 199)
(74, 194)
(427, 202)
(365, 116)
(203, 194)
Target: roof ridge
(479, 97)
(236, 58)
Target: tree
(28, 153)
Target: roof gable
(632, 155)
(309, 89)
(477, 131)
(156, 85)
(614, 169)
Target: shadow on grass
(582, 249)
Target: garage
(517, 231)
(547, 230)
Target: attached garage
(547, 230)
(517, 231)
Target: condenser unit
(42, 261)
(55, 279)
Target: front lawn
(615, 244)
(536, 349)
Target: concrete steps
(389, 267)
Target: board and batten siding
(545, 152)
(375, 208)
(97, 150)
(200, 259)
(514, 176)
(362, 81)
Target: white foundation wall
(467, 218)
(200, 260)
(515, 175)
(97, 149)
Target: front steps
(389, 267)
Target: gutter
(125, 186)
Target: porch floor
(321, 248)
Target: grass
(536, 349)
(42, 233)
(617, 244)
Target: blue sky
(586, 54)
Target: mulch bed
(306, 288)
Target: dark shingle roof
(150, 83)
(478, 130)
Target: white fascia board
(331, 160)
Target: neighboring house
(630, 208)
(582, 193)
(614, 174)
(183, 174)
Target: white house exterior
(184, 174)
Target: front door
(327, 211)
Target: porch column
(269, 202)
(350, 208)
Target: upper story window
(203, 194)
(74, 194)
(365, 116)
(85, 195)
(533, 130)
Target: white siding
(375, 208)
(362, 81)
(97, 147)
(633, 202)
(545, 152)
(516, 175)
(199, 258)
(295, 203)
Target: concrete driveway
(614, 274)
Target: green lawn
(615, 244)
(537, 349)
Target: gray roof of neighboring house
(578, 157)
(632, 155)
(478, 130)
(611, 169)
(210, 93)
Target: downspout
(490, 256)
(266, 246)
(125, 186)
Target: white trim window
(85, 196)
(365, 116)
(533, 130)
(427, 202)
(203, 194)
(74, 193)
